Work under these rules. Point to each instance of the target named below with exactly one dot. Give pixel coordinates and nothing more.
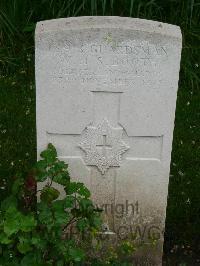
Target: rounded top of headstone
(110, 22)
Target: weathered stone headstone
(106, 96)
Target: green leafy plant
(55, 230)
(35, 233)
(120, 254)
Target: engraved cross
(105, 141)
(104, 145)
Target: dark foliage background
(17, 101)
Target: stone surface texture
(106, 94)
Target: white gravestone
(106, 95)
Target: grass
(17, 98)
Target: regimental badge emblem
(103, 146)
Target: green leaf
(11, 227)
(41, 165)
(33, 258)
(38, 242)
(58, 205)
(4, 239)
(69, 201)
(60, 166)
(50, 154)
(28, 260)
(10, 201)
(24, 246)
(76, 212)
(61, 218)
(61, 178)
(60, 263)
(77, 187)
(12, 221)
(15, 221)
(95, 221)
(82, 224)
(72, 188)
(41, 173)
(48, 194)
(17, 185)
(28, 223)
(76, 254)
(83, 191)
(86, 205)
(35, 240)
(44, 213)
